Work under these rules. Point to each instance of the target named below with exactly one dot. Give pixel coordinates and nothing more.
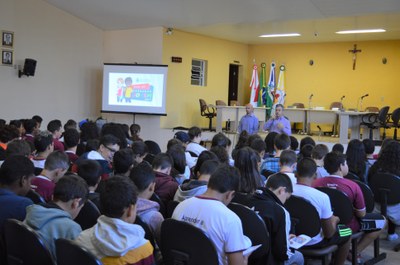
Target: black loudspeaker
(29, 68)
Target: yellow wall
(332, 75)
(182, 98)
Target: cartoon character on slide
(128, 89)
(120, 89)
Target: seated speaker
(29, 68)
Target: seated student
(209, 213)
(44, 146)
(180, 171)
(90, 171)
(55, 167)
(259, 146)
(38, 120)
(55, 219)
(306, 151)
(123, 162)
(184, 141)
(109, 145)
(221, 153)
(196, 186)
(144, 179)
(306, 174)
(288, 163)
(166, 185)
(338, 148)
(269, 143)
(71, 141)
(369, 150)
(195, 139)
(318, 154)
(55, 127)
(281, 142)
(115, 239)
(336, 165)
(221, 140)
(135, 132)
(294, 144)
(16, 174)
(31, 130)
(140, 151)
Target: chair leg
(210, 124)
(371, 132)
(395, 134)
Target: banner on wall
(255, 87)
(280, 94)
(270, 88)
(263, 86)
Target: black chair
(35, 197)
(171, 205)
(207, 111)
(37, 171)
(156, 198)
(352, 176)
(386, 188)
(183, 243)
(88, 215)
(376, 121)
(368, 196)
(308, 222)
(255, 229)
(343, 208)
(68, 252)
(147, 232)
(394, 123)
(24, 245)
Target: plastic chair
(68, 253)
(171, 205)
(395, 117)
(35, 197)
(207, 111)
(24, 245)
(351, 176)
(255, 229)
(88, 215)
(308, 222)
(376, 121)
(183, 243)
(147, 232)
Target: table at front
(234, 114)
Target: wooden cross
(354, 51)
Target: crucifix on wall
(354, 51)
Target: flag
(270, 88)
(280, 89)
(255, 87)
(263, 86)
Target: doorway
(233, 83)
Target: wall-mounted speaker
(29, 68)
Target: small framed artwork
(7, 57)
(7, 38)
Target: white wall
(69, 54)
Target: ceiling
(244, 20)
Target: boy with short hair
(281, 142)
(195, 139)
(55, 127)
(55, 219)
(288, 163)
(115, 239)
(90, 171)
(166, 185)
(44, 147)
(318, 154)
(71, 141)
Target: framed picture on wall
(7, 39)
(7, 57)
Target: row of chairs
(208, 110)
(383, 119)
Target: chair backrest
(206, 110)
(340, 203)
(305, 214)
(396, 117)
(298, 105)
(255, 229)
(385, 183)
(371, 109)
(219, 102)
(368, 196)
(203, 105)
(68, 253)
(88, 215)
(147, 232)
(351, 176)
(171, 205)
(35, 197)
(335, 104)
(24, 245)
(157, 199)
(183, 243)
(382, 115)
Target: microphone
(319, 128)
(366, 95)
(311, 96)
(342, 97)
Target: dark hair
(269, 142)
(109, 139)
(243, 140)
(294, 143)
(54, 125)
(152, 147)
(55, 160)
(356, 157)
(92, 145)
(278, 180)
(123, 160)
(116, 130)
(16, 123)
(18, 147)
(288, 158)
(162, 161)
(194, 132)
(221, 153)
(89, 131)
(29, 125)
(333, 161)
(319, 151)
(258, 145)
(252, 138)
(139, 149)
(219, 140)
(177, 153)
(90, 171)
(70, 124)
(14, 168)
(306, 151)
(306, 168)
(246, 162)
(282, 141)
(118, 194)
(306, 140)
(203, 157)
(338, 148)
(225, 178)
(142, 176)
(43, 140)
(135, 129)
(208, 167)
(71, 138)
(8, 133)
(369, 146)
(37, 118)
(172, 142)
(388, 160)
(70, 187)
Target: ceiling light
(280, 35)
(360, 31)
